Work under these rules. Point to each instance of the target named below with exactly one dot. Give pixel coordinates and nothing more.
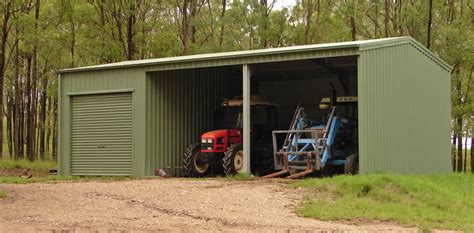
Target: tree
(7, 12)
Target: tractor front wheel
(233, 161)
(351, 167)
(193, 162)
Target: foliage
(3, 194)
(428, 202)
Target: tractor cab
(222, 148)
(263, 115)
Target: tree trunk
(307, 26)
(211, 21)
(221, 37)
(55, 130)
(10, 123)
(472, 154)
(22, 127)
(3, 44)
(465, 151)
(376, 19)
(318, 21)
(450, 15)
(428, 33)
(387, 17)
(17, 107)
(453, 152)
(28, 104)
(192, 20)
(42, 116)
(353, 27)
(459, 150)
(265, 11)
(33, 106)
(184, 32)
(73, 42)
(130, 31)
(396, 21)
(49, 126)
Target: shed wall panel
(106, 81)
(404, 112)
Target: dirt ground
(22, 172)
(164, 205)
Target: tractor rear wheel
(193, 162)
(351, 167)
(233, 161)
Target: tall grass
(428, 202)
(6, 163)
(3, 194)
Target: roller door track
(101, 134)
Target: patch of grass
(23, 163)
(241, 176)
(428, 202)
(3, 194)
(53, 179)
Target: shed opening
(308, 86)
(184, 105)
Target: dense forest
(39, 37)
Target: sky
(279, 4)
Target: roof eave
(217, 56)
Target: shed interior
(188, 99)
(304, 82)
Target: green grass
(41, 167)
(428, 202)
(3, 194)
(53, 179)
(23, 163)
(241, 177)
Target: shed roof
(360, 45)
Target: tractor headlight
(209, 140)
(203, 140)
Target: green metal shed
(132, 117)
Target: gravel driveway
(163, 205)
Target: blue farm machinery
(319, 147)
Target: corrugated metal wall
(181, 107)
(404, 112)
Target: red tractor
(221, 150)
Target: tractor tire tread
(351, 167)
(228, 160)
(188, 160)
